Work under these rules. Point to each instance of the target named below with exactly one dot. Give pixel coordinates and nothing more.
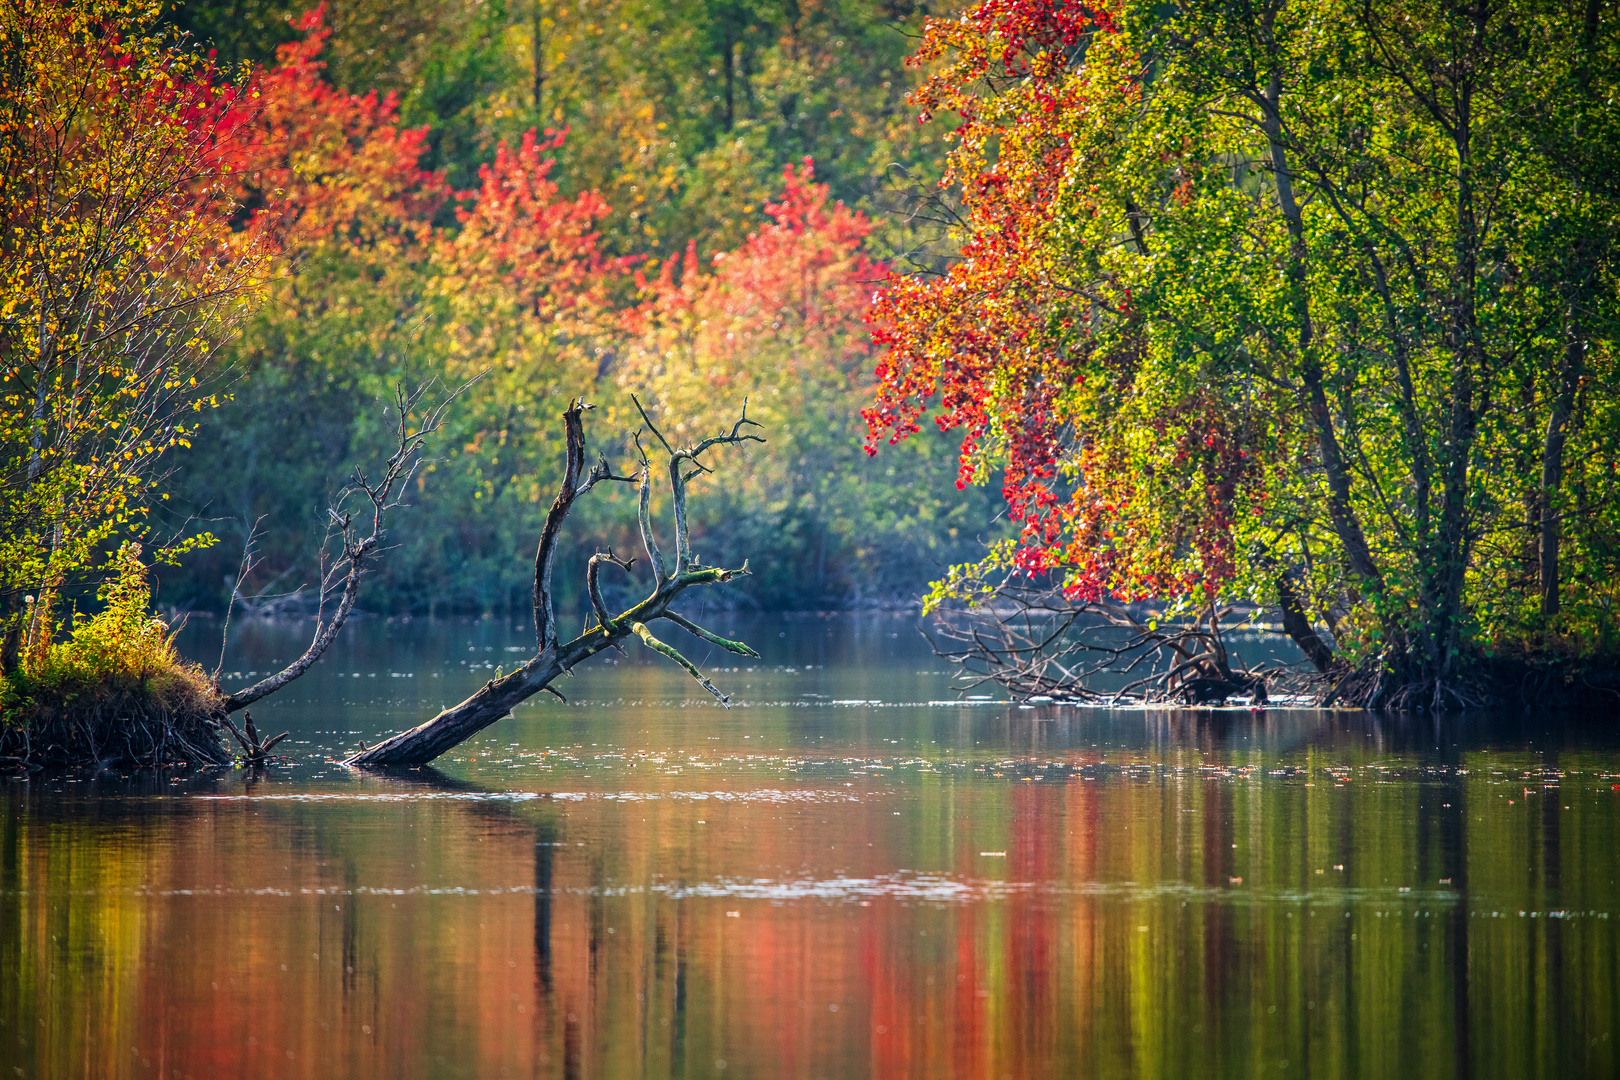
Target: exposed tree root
(127, 730)
(1036, 644)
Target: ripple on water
(765, 795)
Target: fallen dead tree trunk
(553, 657)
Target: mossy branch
(641, 631)
(714, 639)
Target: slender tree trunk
(731, 78)
(1297, 625)
(1552, 462)
(1442, 625)
(539, 49)
(1340, 509)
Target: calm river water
(846, 875)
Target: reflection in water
(809, 890)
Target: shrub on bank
(117, 690)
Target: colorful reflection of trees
(459, 935)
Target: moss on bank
(116, 691)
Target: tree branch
(595, 591)
(714, 639)
(641, 631)
(383, 495)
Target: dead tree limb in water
(340, 581)
(555, 657)
(1032, 640)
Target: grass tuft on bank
(116, 691)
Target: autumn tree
(780, 320)
(1294, 304)
(331, 184)
(394, 272)
(119, 278)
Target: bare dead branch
(243, 570)
(358, 552)
(255, 751)
(545, 628)
(678, 481)
(603, 619)
(1027, 637)
(644, 519)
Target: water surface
(848, 874)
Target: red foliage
(515, 232)
(1001, 346)
(320, 165)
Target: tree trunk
(1297, 625)
(1340, 509)
(1552, 464)
(11, 642)
(494, 701)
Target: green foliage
(118, 274)
(1315, 294)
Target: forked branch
(679, 479)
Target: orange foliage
(796, 289)
(518, 236)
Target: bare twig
(242, 572)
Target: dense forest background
(1307, 309)
(691, 202)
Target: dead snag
(494, 701)
(358, 552)
(255, 748)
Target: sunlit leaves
(1168, 355)
(119, 275)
